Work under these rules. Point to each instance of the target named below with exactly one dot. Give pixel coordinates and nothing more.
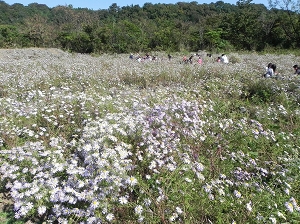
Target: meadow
(105, 139)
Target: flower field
(106, 139)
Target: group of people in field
(186, 60)
(190, 60)
(271, 70)
(222, 59)
(146, 57)
(269, 73)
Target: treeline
(168, 27)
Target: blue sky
(104, 4)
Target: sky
(104, 4)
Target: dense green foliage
(169, 27)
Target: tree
(36, 29)
(244, 29)
(9, 36)
(171, 27)
(214, 39)
(289, 18)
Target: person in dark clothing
(191, 59)
(273, 66)
(297, 69)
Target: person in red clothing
(200, 61)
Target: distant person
(297, 69)
(224, 59)
(131, 56)
(170, 57)
(200, 61)
(268, 66)
(270, 70)
(191, 59)
(219, 59)
(273, 66)
(184, 59)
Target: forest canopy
(182, 26)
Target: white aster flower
(88, 147)
(179, 210)
(104, 174)
(237, 194)
(289, 206)
(91, 220)
(259, 217)
(221, 192)
(80, 184)
(207, 188)
(160, 198)
(172, 218)
(147, 202)
(141, 219)
(132, 181)
(17, 215)
(122, 152)
(273, 220)
(295, 205)
(94, 204)
(29, 205)
(287, 191)
(41, 210)
(113, 138)
(188, 180)
(222, 176)
(18, 205)
(152, 165)
(123, 200)
(62, 221)
(110, 217)
(23, 211)
(138, 210)
(171, 167)
(249, 206)
(200, 176)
